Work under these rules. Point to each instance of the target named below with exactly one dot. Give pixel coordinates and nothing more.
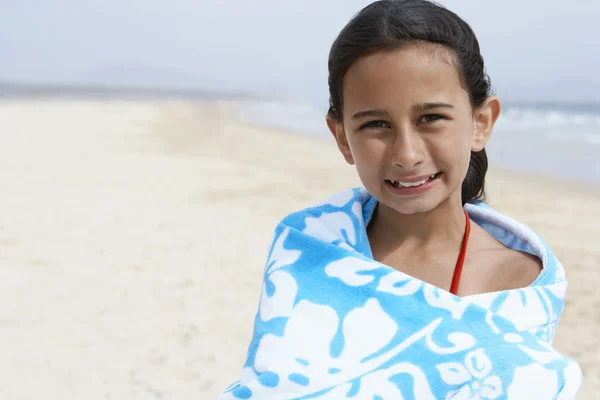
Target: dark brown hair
(390, 24)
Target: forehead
(406, 76)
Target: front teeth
(411, 184)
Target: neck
(438, 230)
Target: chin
(408, 205)
(415, 206)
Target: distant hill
(79, 90)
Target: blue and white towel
(335, 324)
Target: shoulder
(504, 268)
(522, 269)
(521, 243)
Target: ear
(338, 132)
(484, 120)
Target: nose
(408, 149)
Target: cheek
(368, 153)
(463, 154)
(453, 149)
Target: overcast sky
(534, 49)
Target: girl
(409, 287)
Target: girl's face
(409, 128)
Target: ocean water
(557, 140)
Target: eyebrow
(429, 106)
(370, 113)
(417, 107)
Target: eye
(430, 118)
(375, 125)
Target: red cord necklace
(461, 257)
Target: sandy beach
(133, 236)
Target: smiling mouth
(401, 184)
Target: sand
(133, 236)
